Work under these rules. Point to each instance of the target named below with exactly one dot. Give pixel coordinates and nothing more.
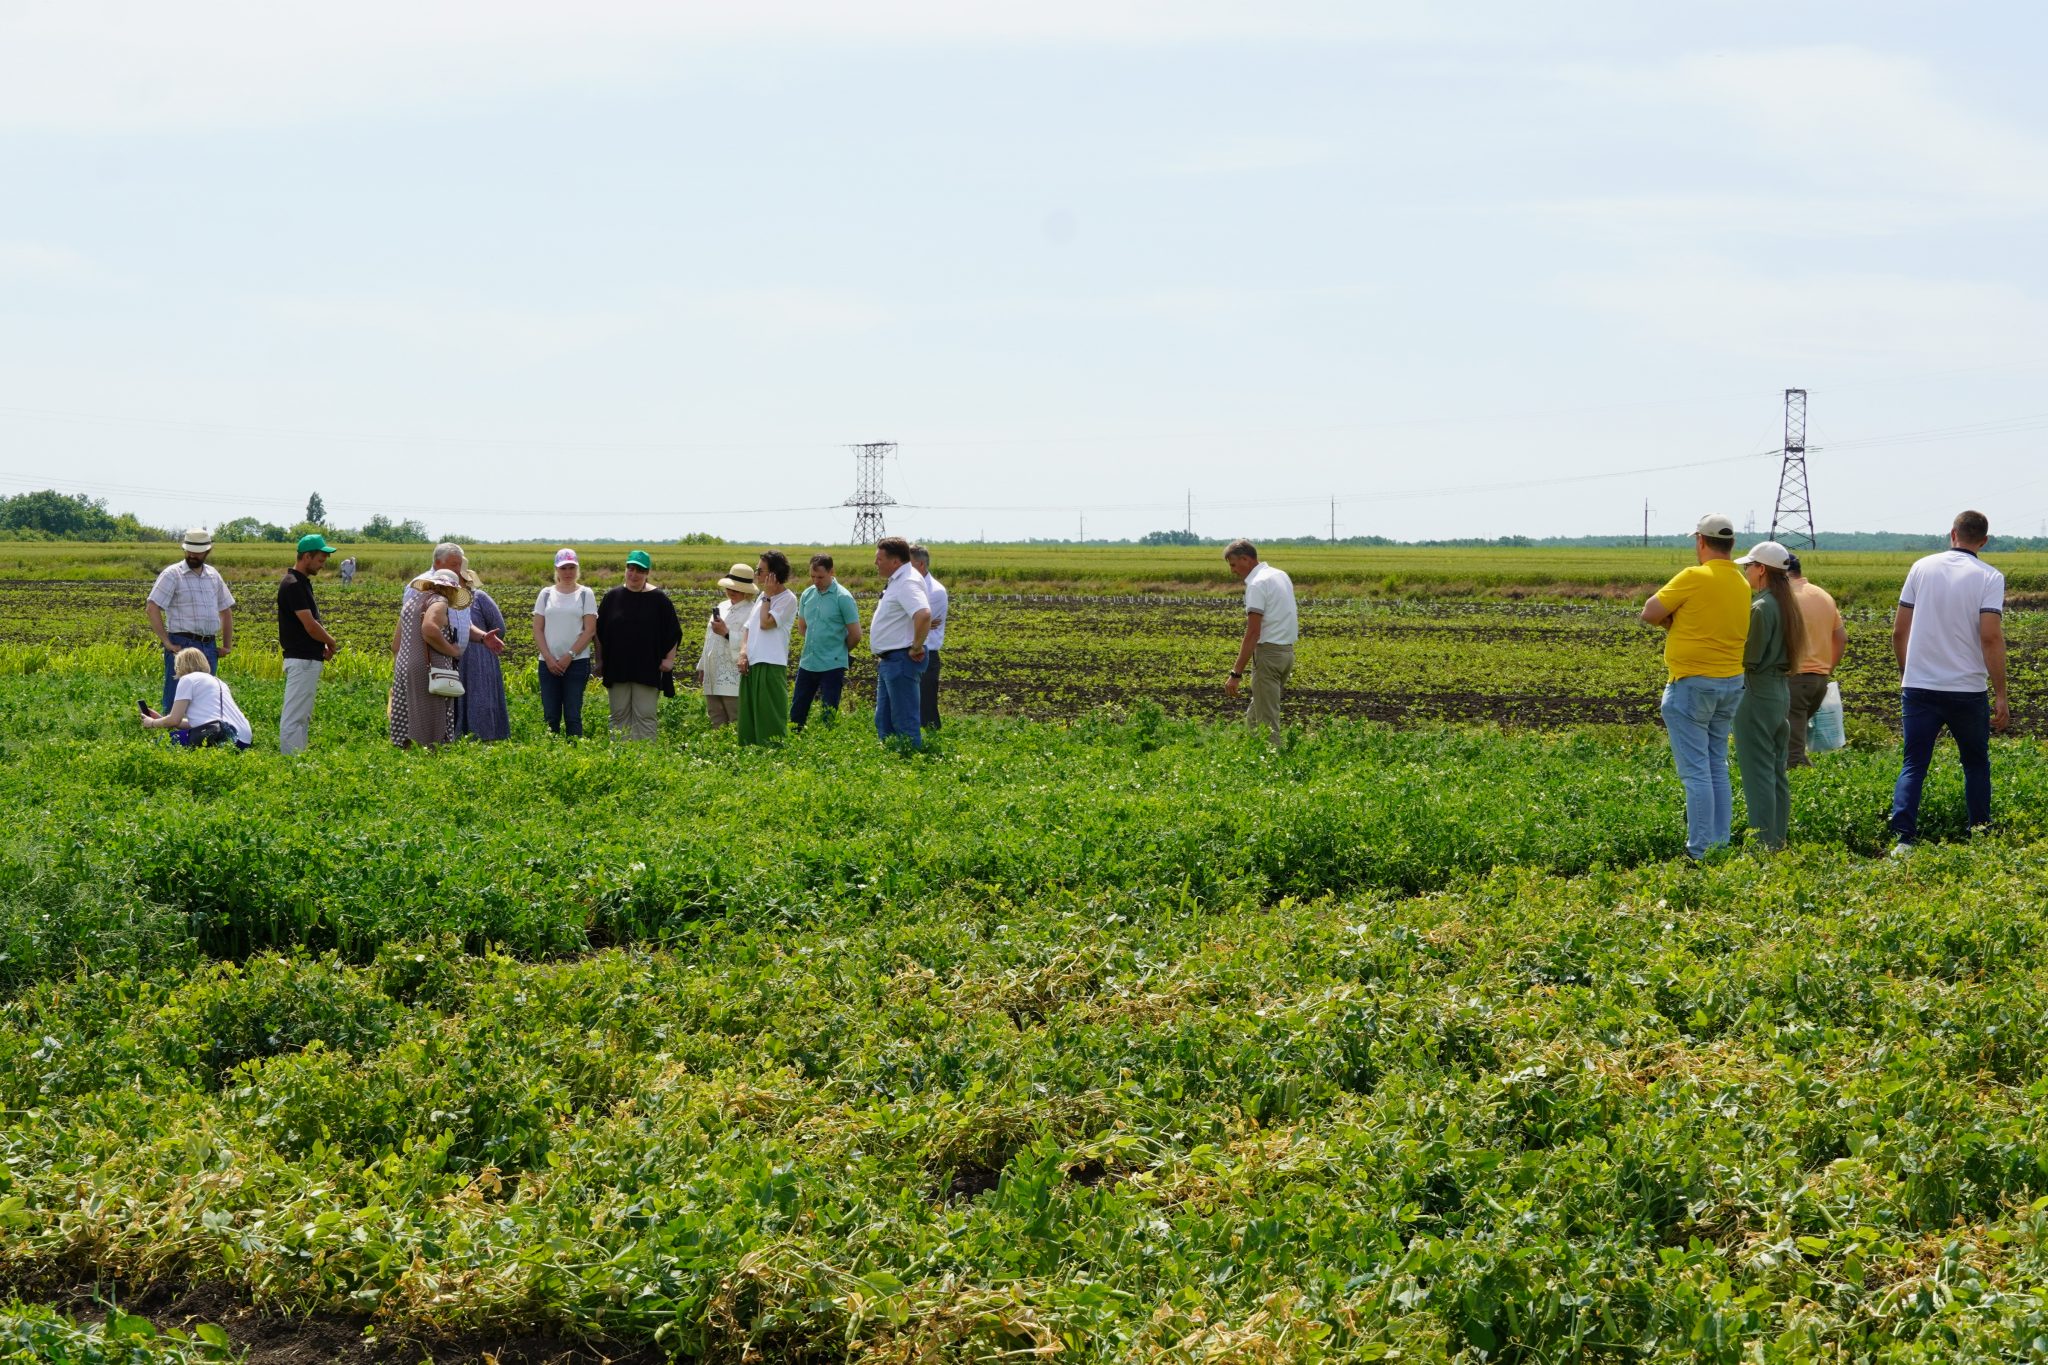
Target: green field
(1098, 1032)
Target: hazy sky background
(635, 269)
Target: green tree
(316, 510)
(1170, 538)
(63, 516)
(248, 529)
(383, 529)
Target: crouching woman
(203, 713)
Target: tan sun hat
(739, 578)
(438, 580)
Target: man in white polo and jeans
(1949, 638)
(1270, 630)
(190, 607)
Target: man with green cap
(303, 641)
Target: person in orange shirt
(1705, 613)
(1825, 638)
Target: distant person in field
(764, 654)
(897, 634)
(348, 571)
(564, 624)
(426, 641)
(1705, 614)
(481, 712)
(637, 637)
(1271, 627)
(1763, 727)
(304, 642)
(725, 633)
(190, 607)
(202, 714)
(934, 642)
(830, 621)
(1823, 639)
(1949, 639)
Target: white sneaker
(1902, 849)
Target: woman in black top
(637, 636)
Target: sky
(638, 268)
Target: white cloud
(44, 263)
(1846, 318)
(120, 65)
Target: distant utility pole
(868, 499)
(1084, 528)
(1333, 518)
(1646, 523)
(1191, 511)
(1793, 514)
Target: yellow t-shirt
(1819, 616)
(1709, 606)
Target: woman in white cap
(1763, 726)
(564, 624)
(725, 636)
(426, 644)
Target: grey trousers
(634, 711)
(1809, 690)
(295, 722)
(1271, 665)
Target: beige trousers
(722, 710)
(633, 710)
(1271, 665)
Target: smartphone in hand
(146, 708)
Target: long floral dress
(480, 710)
(418, 716)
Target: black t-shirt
(294, 595)
(635, 631)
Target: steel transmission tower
(1793, 516)
(868, 499)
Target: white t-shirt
(1948, 593)
(894, 625)
(935, 591)
(766, 646)
(561, 617)
(207, 700)
(1270, 593)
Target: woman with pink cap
(564, 623)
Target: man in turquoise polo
(830, 621)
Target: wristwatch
(1235, 674)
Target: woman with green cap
(1763, 726)
(637, 635)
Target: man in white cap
(191, 608)
(1705, 613)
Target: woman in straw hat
(725, 635)
(425, 640)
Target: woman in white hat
(426, 642)
(725, 636)
(1763, 726)
(564, 624)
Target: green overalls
(1763, 726)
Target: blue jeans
(1968, 717)
(561, 699)
(897, 679)
(1699, 713)
(825, 684)
(203, 643)
(928, 691)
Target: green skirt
(764, 703)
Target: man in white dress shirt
(902, 620)
(1270, 630)
(190, 607)
(934, 643)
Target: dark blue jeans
(204, 643)
(1968, 717)
(825, 684)
(897, 678)
(928, 691)
(561, 699)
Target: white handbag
(443, 682)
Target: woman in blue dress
(480, 711)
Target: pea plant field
(1100, 1031)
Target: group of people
(1749, 649)
(447, 681)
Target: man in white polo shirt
(1949, 639)
(934, 641)
(1270, 630)
(897, 636)
(190, 607)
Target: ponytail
(1790, 623)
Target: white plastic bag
(1824, 732)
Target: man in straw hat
(190, 607)
(718, 663)
(1705, 614)
(303, 641)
